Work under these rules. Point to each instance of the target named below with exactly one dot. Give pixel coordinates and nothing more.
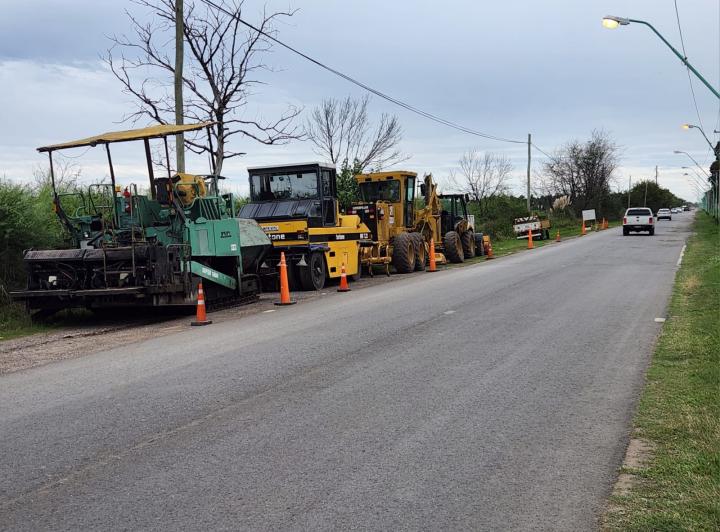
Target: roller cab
(296, 206)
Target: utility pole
(656, 175)
(179, 54)
(645, 200)
(528, 171)
(629, 188)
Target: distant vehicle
(664, 214)
(686, 207)
(674, 210)
(638, 219)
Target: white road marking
(659, 320)
(682, 252)
(268, 311)
(449, 312)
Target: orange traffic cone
(557, 236)
(530, 240)
(583, 231)
(284, 285)
(200, 316)
(344, 287)
(489, 251)
(607, 224)
(433, 264)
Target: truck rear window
(639, 212)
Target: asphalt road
(493, 397)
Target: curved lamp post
(611, 22)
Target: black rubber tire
(312, 276)
(403, 254)
(652, 231)
(625, 232)
(421, 257)
(479, 245)
(467, 239)
(453, 247)
(357, 276)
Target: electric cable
(364, 86)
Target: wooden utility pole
(179, 53)
(528, 171)
(629, 188)
(656, 176)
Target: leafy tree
(648, 194)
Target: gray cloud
(505, 68)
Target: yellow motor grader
(401, 230)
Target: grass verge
(15, 322)
(678, 487)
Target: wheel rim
(317, 271)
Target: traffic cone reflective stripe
(530, 240)
(284, 285)
(344, 287)
(200, 315)
(557, 236)
(433, 263)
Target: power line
(682, 43)
(363, 85)
(546, 154)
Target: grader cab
(402, 230)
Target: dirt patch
(637, 455)
(691, 283)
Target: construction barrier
(344, 287)
(200, 314)
(284, 285)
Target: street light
(612, 22)
(693, 160)
(691, 126)
(696, 173)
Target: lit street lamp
(611, 22)
(712, 148)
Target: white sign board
(589, 215)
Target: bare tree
(342, 132)
(583, 171)
(224, 62)
(482, 175)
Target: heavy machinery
(402, 231)
(297, 207)
(145, 249)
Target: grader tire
(453, 247)
(420, 253)
(468, 244)
(403, 255)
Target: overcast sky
(507, 68)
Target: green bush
(26, 221)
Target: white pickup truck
(638, 219)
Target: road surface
(493, 397)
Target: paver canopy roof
(151, 132)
